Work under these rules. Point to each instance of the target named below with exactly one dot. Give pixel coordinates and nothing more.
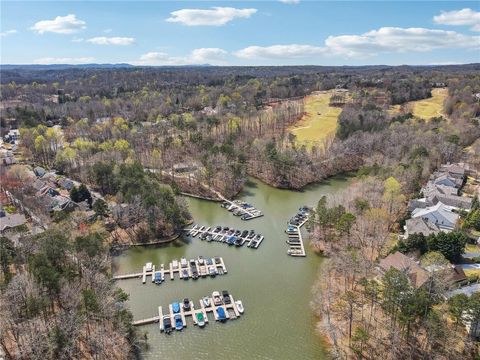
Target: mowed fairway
(320, 119)
(432, 107)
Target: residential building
(440, 214)
(417, 275)
(420, 225)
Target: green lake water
(275, 289)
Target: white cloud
(213, 56)
(65, 60)
(386, 39)
(8, 32)
(207, 56)
(464, 17)
(107, 31)
(215, 16)
(78, 40)
(120, 41)
(394, 39)
(280, 51)
(68, 24)
(289, 1)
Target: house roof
(403, 263)
(11, 221)
(38, 184)
(440, 214)
(444, 177)
(421, 226)
(39, 171)
(457, 169)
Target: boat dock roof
(203, 270)
(231, 313)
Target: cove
(275, 288)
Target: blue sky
(240, 33)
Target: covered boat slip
(230, 310)
(226, 235)
(184, 270)
(242, 209)
(294, 232)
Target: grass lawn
(320, 120)
(472, 248)
(430, 107)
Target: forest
(229, 122)
(140, 137)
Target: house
(39, 171)
(185, 167)
(444, 178)
(420, 226)
(8, 160)
(11, 221)
(439, 214)
(417, 275)
(454, 170)
(447, 195)
(65, 183)
(38, 184)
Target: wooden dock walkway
(239, 208)
(296, 247)
(202, 267)
(251, 241)
(231, 313)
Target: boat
(175, 307)
(201, 261)
(175, 264)
(239, 305)
(212, 271)
(226, 297)
(221, 314)
(217, 300)
(158, 277)
(185, 274)
(167, 324)
(186, 304)
(148, 266)
(183, 262)
(178, 322)
(209, 238)
(200, 319)
(206, 301)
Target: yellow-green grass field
(431, 107)
(426, 108)
(320, 119)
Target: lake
(275, 288)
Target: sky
(276, 32)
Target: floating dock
(294, 231)
(242, 209)
(193, 268)
(231, 312)
(225, 235)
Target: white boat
(217, 299)
(239, 306)
(148, 266)
(183, 262)
(175, 264)
(206, 301)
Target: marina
(242, 209)
(193, 268)
(220, 304)
(294, 232)
(259, 280)
(226, 235)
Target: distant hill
(63, 66)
